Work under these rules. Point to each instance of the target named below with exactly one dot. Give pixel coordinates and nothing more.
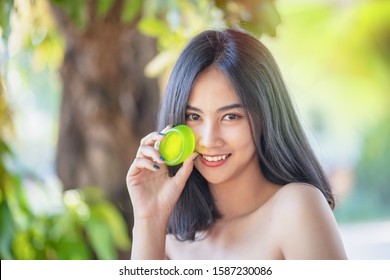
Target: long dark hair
(284, 153)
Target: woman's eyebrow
(220, 110)
(192, 108)
(229, 107)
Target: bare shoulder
(300, 196)
(299, 205)
(308, 229)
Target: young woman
(253, 189)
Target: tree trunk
(108, 104)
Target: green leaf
(101, 209)
(103, 6)
(153, 27)
(100, 237)
(22, 247)
(256, 16)
(5, 12)
(115, 223)
(76, 10)
(131, 9)
(265, 20)
(7, 230)
(160, 62)
(4, 149)
(72, 247)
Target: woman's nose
(209, 136)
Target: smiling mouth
(215, 158)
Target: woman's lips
(214, 160)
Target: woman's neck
(243, 194)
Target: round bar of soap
(177, 145)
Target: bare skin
(153, 194)
(295, 223)
(260, 220)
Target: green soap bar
(177, 145)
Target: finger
(184, 172)
(168, 127)
(150, 152)
(162, 133)
(140, 164)
(151, 138)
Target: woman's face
(221, 127)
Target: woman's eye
(231, 117)
(192, 117)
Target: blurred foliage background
(81, 82)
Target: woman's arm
(153, 195)
(149, 240)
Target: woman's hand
(153, 193)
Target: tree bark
(108, 104)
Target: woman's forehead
(212, 89)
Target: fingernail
(155, 166)
(161, 157)
(195, 158)
(162, 134)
